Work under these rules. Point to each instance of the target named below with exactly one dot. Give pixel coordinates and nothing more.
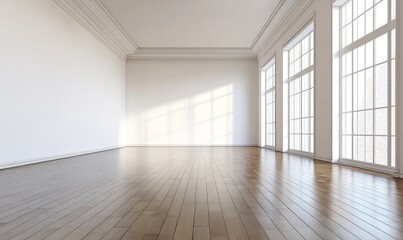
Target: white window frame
(387, 29)
(308, 30)
(265, 92)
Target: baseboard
(191, 145)
(272, 148)
(368, 166)
(398, 175)
(53, 158)
(325, 159)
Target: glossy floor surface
(197, 193)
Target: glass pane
(347, 123)
(393, 9)
(381, 150)
(355, 91)
(297, 142)
(312, 143)
(305, 45)
(393, 121)
(369, 4)
(381, 121)
(369, 21)
(369, 149)
(369, 86)
(348, 34)
(305, 82)
(355, 8)
(349, 11)
(305, 143)
(297, 85)
(361, 58)
(355, 147)
(305, 104)
(297, 50)
(361, 149)
(361, 90)
(381, 49)
(305, 125)
(361, 26)
(393, 46)
(369, 54)
(348, 63)
(393, 149)
(381, 85)
(292, 107)
(297, 109)
(292, 145)
(369, 122)
(355, 30)
(360, 7)
(297, 126)
(355, 60)
(312, 127)
(347, 147)
(292, 130)
(297, 66)
(361, 123)
(347, 94)
(305, 61)
(393, 82)
(381, 14)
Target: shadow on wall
(205, 118)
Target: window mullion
(389, 94)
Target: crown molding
(268, 23)
(291, 18)
(282, 10)
(95, 18)
(195, 54)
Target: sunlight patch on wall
(203, 119)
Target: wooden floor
(197, 193)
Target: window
(367, 98)
(301, 91)
(269, 100)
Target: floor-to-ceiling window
(269, 102)
(300, 55)
(367, 97)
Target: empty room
(201, 119)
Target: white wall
(61, 91)
(192, 103)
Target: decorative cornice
(94, 17)
(280, 13)
(196, 54)
(293, 15)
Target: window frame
(371, 37)
(271, 64)
(308, 30)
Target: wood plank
(207, 193)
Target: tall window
(301, 91)
(269, 86)
(367, 39)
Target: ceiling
(192, 23)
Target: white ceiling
(192, 23)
